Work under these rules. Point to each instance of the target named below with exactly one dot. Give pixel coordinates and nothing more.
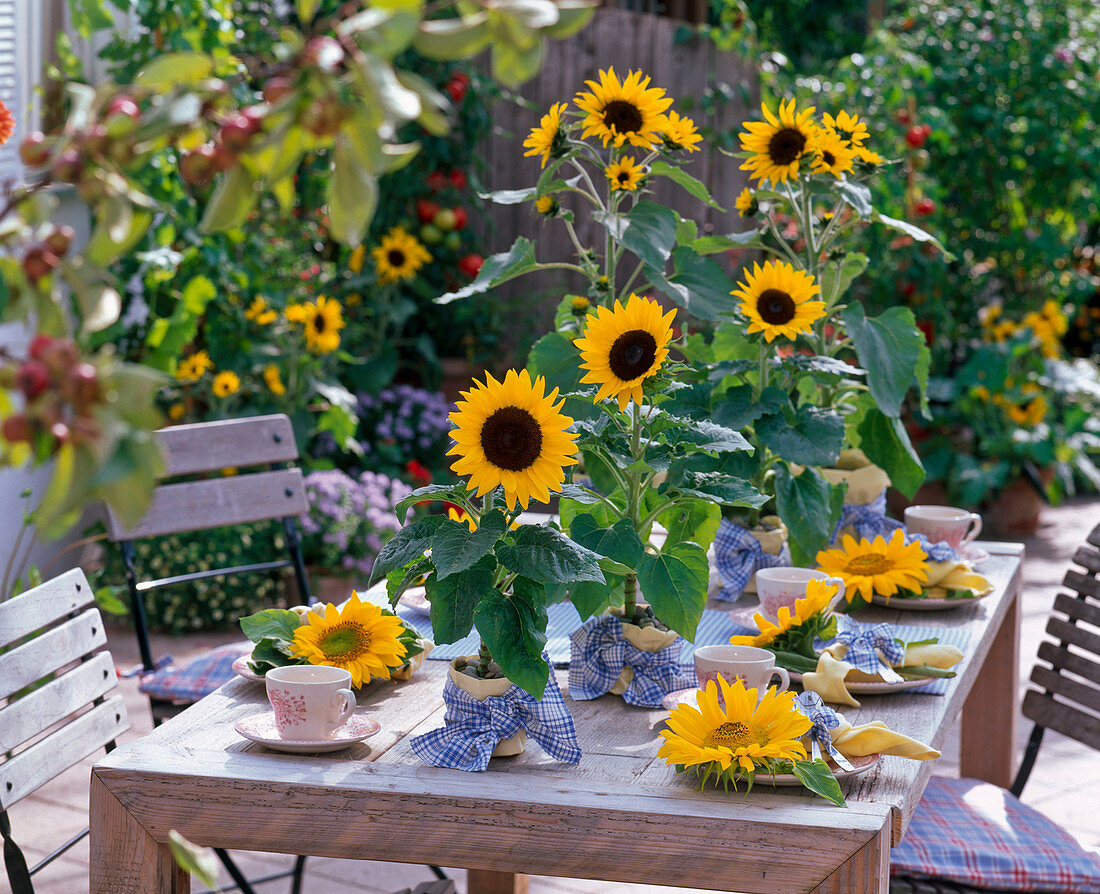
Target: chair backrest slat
(57, 598)
(209, 446)
(1064, 659)
(72, 743)
(1076, 636)
(1078, 609)
(1083, 583)
(41, 708)
(216, 502)
(1062, 718)
(54, 648)
(1087, 557)
(1067, 688)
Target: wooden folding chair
(58, 702)
(1019, 849)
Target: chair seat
(196, 678)
(975, 833)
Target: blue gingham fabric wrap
(821, 716)
(937, 552)
(867, 520)
(865, 641)
(738, 556)
(473, 728)
(601, 651)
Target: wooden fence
(626, 40)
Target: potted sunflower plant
(640, 428)
(484, 569)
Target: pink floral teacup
(956, 527)
(310, 701)
(778, 587)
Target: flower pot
(481, 690)
(1016, 510)
(645, 639)
(406, 670)
(865, 480)
(326, 586)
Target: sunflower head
(625, 174)
(511, 434)
(831, 155)
(794, 631)
(549, 138)
(747, 204)
(627, 111)
(399, 256)
(273, 380)
(731, 733)
(681, 133)
(778, 143)
(778, 300)
(361, 638)
(324, 320)
(621, 348)
(846, 126)
(547, 206)
(875, 566)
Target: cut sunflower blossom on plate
(367, 640)
(792, 636)
(876, 567)
(732, 738)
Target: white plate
(923, 605)
(416, 599)
(241, 668)
(975, 555)
(261, 729)
(859, 764)
(865, 688)
(680, 697)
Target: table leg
(867, 871)
(124, 858)
(488, 881)
(988, 723)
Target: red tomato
(915, 136)
(471, 265)
(426, 210)
(461, 218)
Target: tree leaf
(674, 582)
(351, 196)
(513, 628)
(411, 542)
(814, 438)
(683, 179)
(455, 547)
(889, 348)
(445, 40)
(169, 70)
(886, 443)
(455, 599)
(546, 555)
(234, 196)
(201, 862)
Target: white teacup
(754, 667)
(310, 701)
(777, 587)
(943, 523)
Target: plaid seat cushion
(198, 677)
(972, 832)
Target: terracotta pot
(481, 690)
(325, 586)
(1016, 510)
(644, 639)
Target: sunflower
(1030, 410)
(298, 313)
(399, 256)
(818, 596)
(258, 312)
(548, 139)
(681, 133)
(176, 412)
(848, 127)
(776, 300)
(778, 143)
(323, 324)
(273, 380)
(7, 124)
(546, 205)
(867, 156)
(461, 515)
(512, 434)
(621, 348)
(734, 733)
(877, 566)
(355, 259)
(831, 155)
(360, 638)
(625, 174)
(747, 204)
(630, 111)
(193, 368)
(226, 383)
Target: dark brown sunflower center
(623, 116)
(632, 354)
(511, 439)
(786, 145)
(776, 307)
(830, 159)
(396, 257)
(624, 176)
(735, 734)
(870, 563)
(319, 323)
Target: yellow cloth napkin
(954, 575)
(828, 680)
(877, 738)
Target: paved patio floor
(1065, 768)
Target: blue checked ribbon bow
(863, 640)
(600, 651)
(738, 556)
(823, 718)
(937, 552)
(868, 520)
(473, 728)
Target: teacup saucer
(260, 728)
(746, 615)
(680, 697)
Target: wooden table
(620, 815)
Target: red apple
(324, 53)
(32, 378)
(437, 181)
(39, 262)
(68, 166)
(16, 428)
(198, 167)
(81, 385)
(40, 345)
(237, 131)
(458, 178)
(461, 218)
(426, 210)
(60, 239)
(924, 207)
(915, 136)
(34, 150)
(276, 88)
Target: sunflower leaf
(513, 628)
(683, 179)
(455, 599)
(428, 493)
(651, 233)
(696, 520)
(819, 779)
(814, 437)
(591, 598)
(411, 542)
(619, 542)
(886, 443)
(278, 623)
(808, 507)
(889, 348)
(675, 582)
(707, 284)
(500, 268)
(545, 555)
(455, 547)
